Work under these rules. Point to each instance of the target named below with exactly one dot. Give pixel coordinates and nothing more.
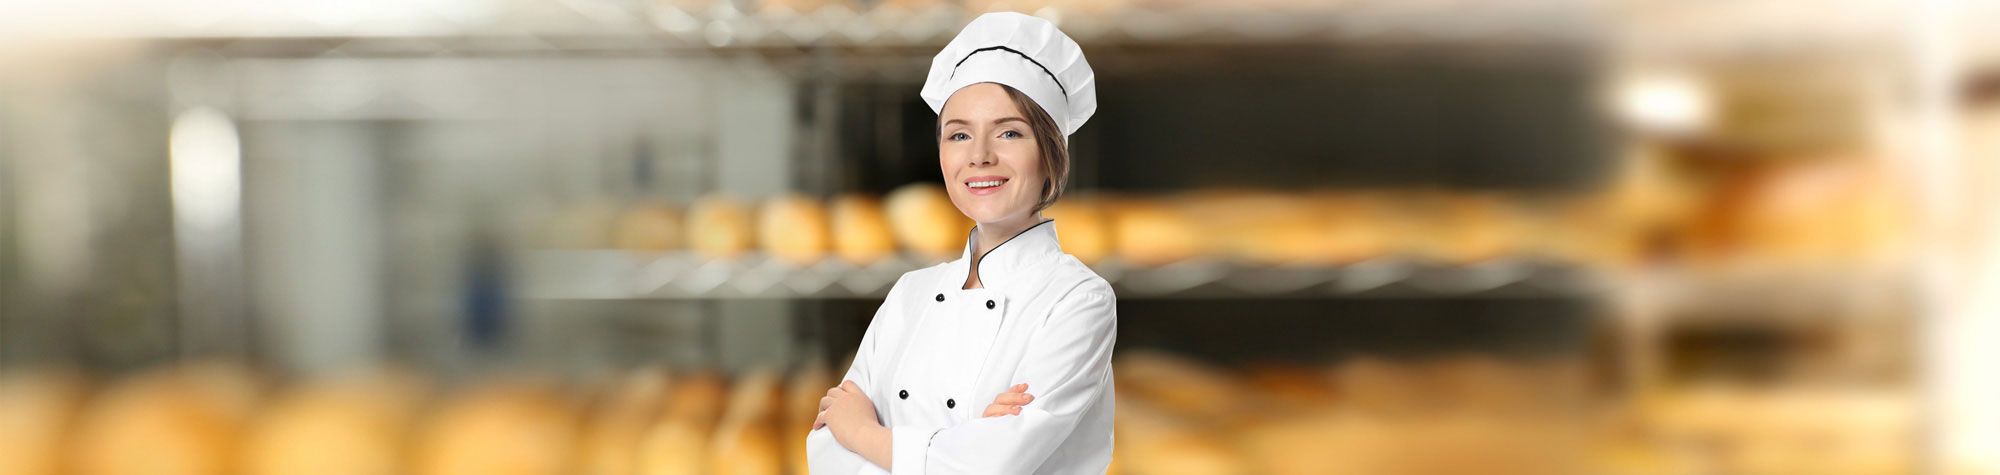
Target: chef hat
(1023, 52)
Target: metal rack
(614, 275)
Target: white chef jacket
(936, 355)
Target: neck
(992, 234)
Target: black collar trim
(981, 257)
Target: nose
(982, 153)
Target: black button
(950, 404)
(905, 394)
(989, 305)
(940, 297)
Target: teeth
(984, 184)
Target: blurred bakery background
(1358, 236)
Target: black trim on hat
(1038, 64)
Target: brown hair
(1049, 139)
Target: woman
(1014, 321)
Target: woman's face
(992, 167)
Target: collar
(1027, 250)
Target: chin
(990, 215)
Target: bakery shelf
(1773, 293)
(546, 27)
(621, 275)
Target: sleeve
(1067, 368)
(824, 454)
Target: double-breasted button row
(948, 402)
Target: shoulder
(1079, 287)
(921, 279)
(1081, 280)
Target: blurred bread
(746, 439)
(1180, 386)
(1150, 441)
(1380, 386)
(180, 420)
(1311, 442)
(794, 229)
(1265, 228)
(1151, 233)
(860, 231)
(802, 396)
(586, 225)
(1834, 210)
(1470, 228)
(349, 425)
(1291, 388)
(1356, 226)
(1081, 227)
(719, 227)
(649, 227)
(508, 427)
(925, 221)
(619, 419)
(1076, 7)
(678, 441)
(38, 408)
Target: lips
(985, 185)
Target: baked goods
(1151, 233)
(585, 225)
(1151, 441)
(506, 427)
(746, 439)
(860, 231)
(719, 227)
(649, 227)
(1081, 227)
(925, 221)
(678, 441)
(793, 229)
(354, 424)
(185, 419)
(37, 409)
(618, 420)
(802, 395)
(1180, 385)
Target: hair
(1054, 146)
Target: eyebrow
(995, 121)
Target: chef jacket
(936, 355)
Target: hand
(1009, 403)
(824, 402)
(848, 410)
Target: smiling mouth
(984, 184)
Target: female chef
(1014, 320)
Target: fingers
(850, 386)
(834, 391)
(825, 402)
(1014, 399)
(819, 421)
(1018, 388)
(998, 410)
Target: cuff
(907, 446)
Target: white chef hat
(1023, 52)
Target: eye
(1010, 135)
(957, 136)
